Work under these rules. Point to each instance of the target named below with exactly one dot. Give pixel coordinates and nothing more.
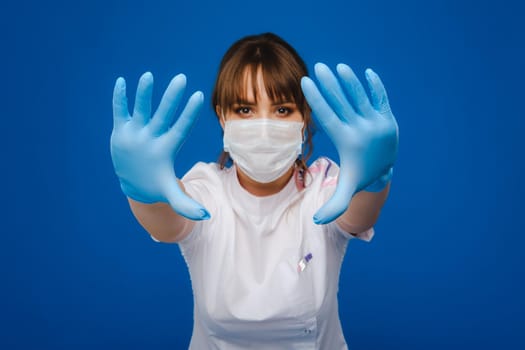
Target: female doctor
(263, 234)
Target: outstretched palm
(365, 134)
(143, 148)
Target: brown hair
(282, 69)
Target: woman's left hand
(364, 133)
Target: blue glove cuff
(379, 184)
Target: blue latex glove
(143, 149)
(365, 134)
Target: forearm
(161, 221)
(363, 211)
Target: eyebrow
(285, 102)
(245, 102)
(252, 103)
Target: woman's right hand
(143, 148)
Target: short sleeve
(203, 184)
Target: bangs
(281, 79)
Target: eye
(284, 111)
(243, 110)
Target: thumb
(338, 203)
(183, 205)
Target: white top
(252, 286)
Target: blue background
(445, 269)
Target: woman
(264, 260)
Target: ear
(219, 114)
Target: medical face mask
(264, 149)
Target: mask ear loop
(225, 156)
(299, 171)
(302, 141)
(223, 116)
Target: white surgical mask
(264, 149)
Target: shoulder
(205, 173)
(323, 172)
(205, 179)
(319, 181)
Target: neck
(263, 189)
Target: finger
(377, 92)
(354, 89)
(332, 91)
(163, 117)
(322, 111)
(120, 103)
(142, 110)
(179, 131)
(340, 200)
(183, 205)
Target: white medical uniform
(248, 290)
